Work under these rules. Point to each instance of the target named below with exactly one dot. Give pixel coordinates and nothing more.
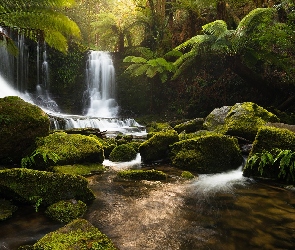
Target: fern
(30, 161)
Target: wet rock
(6, 209)
(79, 234)
(124, 152)
(242, 120)
(42, 188)
(207, 154)
(157, 147)
(20, 124)
(190, 126)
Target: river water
(222, 211)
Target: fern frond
(134, 59)
(217, 28)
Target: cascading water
(101, 87)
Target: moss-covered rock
(207, 154)
(66, 149)
(66, 211)
(79, 234)
(80, 169)
(42, 188)
(187, 175)
(20, 124)
(242, 120)
(138, 174)
(157, 147)
(108, 145)
(124, 152)
(6, 209)
(158, 127)
(268, 141)
(190, 126)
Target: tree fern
(34, 18)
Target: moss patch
(190, 126)
(79, 234)
(69, 149)
(187, 175)
(20, 124)
(43, 188)
(78, 169)
(124, 152)
(207, 154)
(150, 175)
(6, 209)
(66, 211)
(157, 147)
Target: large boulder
(64, 149)
(272, 143)
(20, 124)
(124, 152)
(79, 234)
(242, 120)
(157, 147)
(207, 154)
(41, 187)
(190, 126)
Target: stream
(220, 211)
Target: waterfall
(100, 80)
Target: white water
(123, 165)
(100, 75)
(208, 184)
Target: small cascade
(6, 62)
(100, 79)
(43, 98)
(22, 64)
(111, 126)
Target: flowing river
(221, 211)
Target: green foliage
(149, 67)
(150, 175)
(39, 18)
(283, 159)
(66, 211)
(79, 234)
(47, 157)
(124, 152)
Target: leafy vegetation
(40, 19)
(283, 159)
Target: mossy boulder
(79, 234)
(187, 175)
(41, 187)
(190, 126)
(6, 209)
(242, 120)
(108, 145)
(157, 147)
(63, 149)
(139, 174)
(124, 152)
(66, 211)
(207, 154)
(271, 140)
(20, 124)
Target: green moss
(187, 175)
(78, 169)
(42, 188)
(124, 152)
(242, 120)
(207, 154)
(79, 234)
(190, 126)
(20, 124)
(142, 175)
(158, 127)
(108, 145)
(66, 211)
(6, 209)
(70, 149)
(157, 147)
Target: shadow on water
(222, 211)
